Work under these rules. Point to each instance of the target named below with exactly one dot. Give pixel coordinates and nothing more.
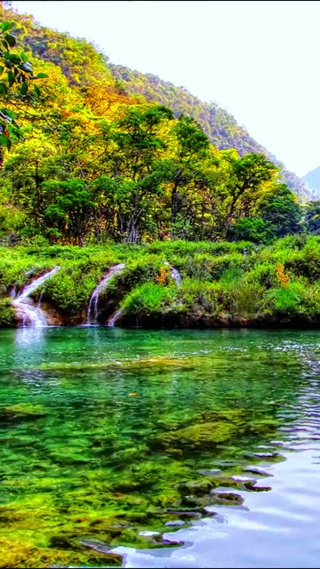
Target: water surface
(110, 433)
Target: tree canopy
(92, 161)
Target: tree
(70, 210)
(245, 179)
(133, 164)
(186, 174)
(250, 229)
(312, 217)
(16, 74)
(280, 210)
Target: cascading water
(32, 315)
(175, 274)
(92, 314)
(112, 320)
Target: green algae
(108, 433)
(21, 411)
(22, 554)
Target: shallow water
(107, 433)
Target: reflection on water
(30, 336)
(128, 440)
(275, 529)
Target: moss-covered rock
(199, 435)
(21, 412)
(24, 555)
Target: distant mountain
(312, 181)
(220, 126)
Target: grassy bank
(222, 284)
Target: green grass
(217, 279)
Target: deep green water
(107, 433)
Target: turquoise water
(206, 438)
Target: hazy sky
(260, 60)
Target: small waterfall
(115, 316)
(175, 274)
(30, 314)
(92, 314)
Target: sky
(257, 59)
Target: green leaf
(11, 78)
(4, 140)
(5, 26)
(15, 132)
(41, 76)
(24, 89)
(36, 91)
(3, 89)
(7, 112)
(14, 58)
(10, 39)
(23, 57)
(1, 69)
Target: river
(207, 438)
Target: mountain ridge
(312, 180)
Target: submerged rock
(96, 545)
(226, 498)
(21, 412)
(185, 513)
(199, 435)
(211, 472)
(177, 523)
(256, 470)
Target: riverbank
(165, 284)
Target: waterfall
(32, 315)
(92, 314)
(115, 316)
(174, 273)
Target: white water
(32, 315)
(92, 314)
(112, 320)
(175, 274)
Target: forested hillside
(220, 126)
(92, 160)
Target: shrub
(248, 299)
(148, 299)
(286, 299)
(7, 313)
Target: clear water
(107, 433)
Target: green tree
(245, 179)
(187, 175)
(70, 210)
(281, 212)
(312, 217)
(16, 75)
(134, 162)
(250, 229)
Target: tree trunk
(174, 210)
